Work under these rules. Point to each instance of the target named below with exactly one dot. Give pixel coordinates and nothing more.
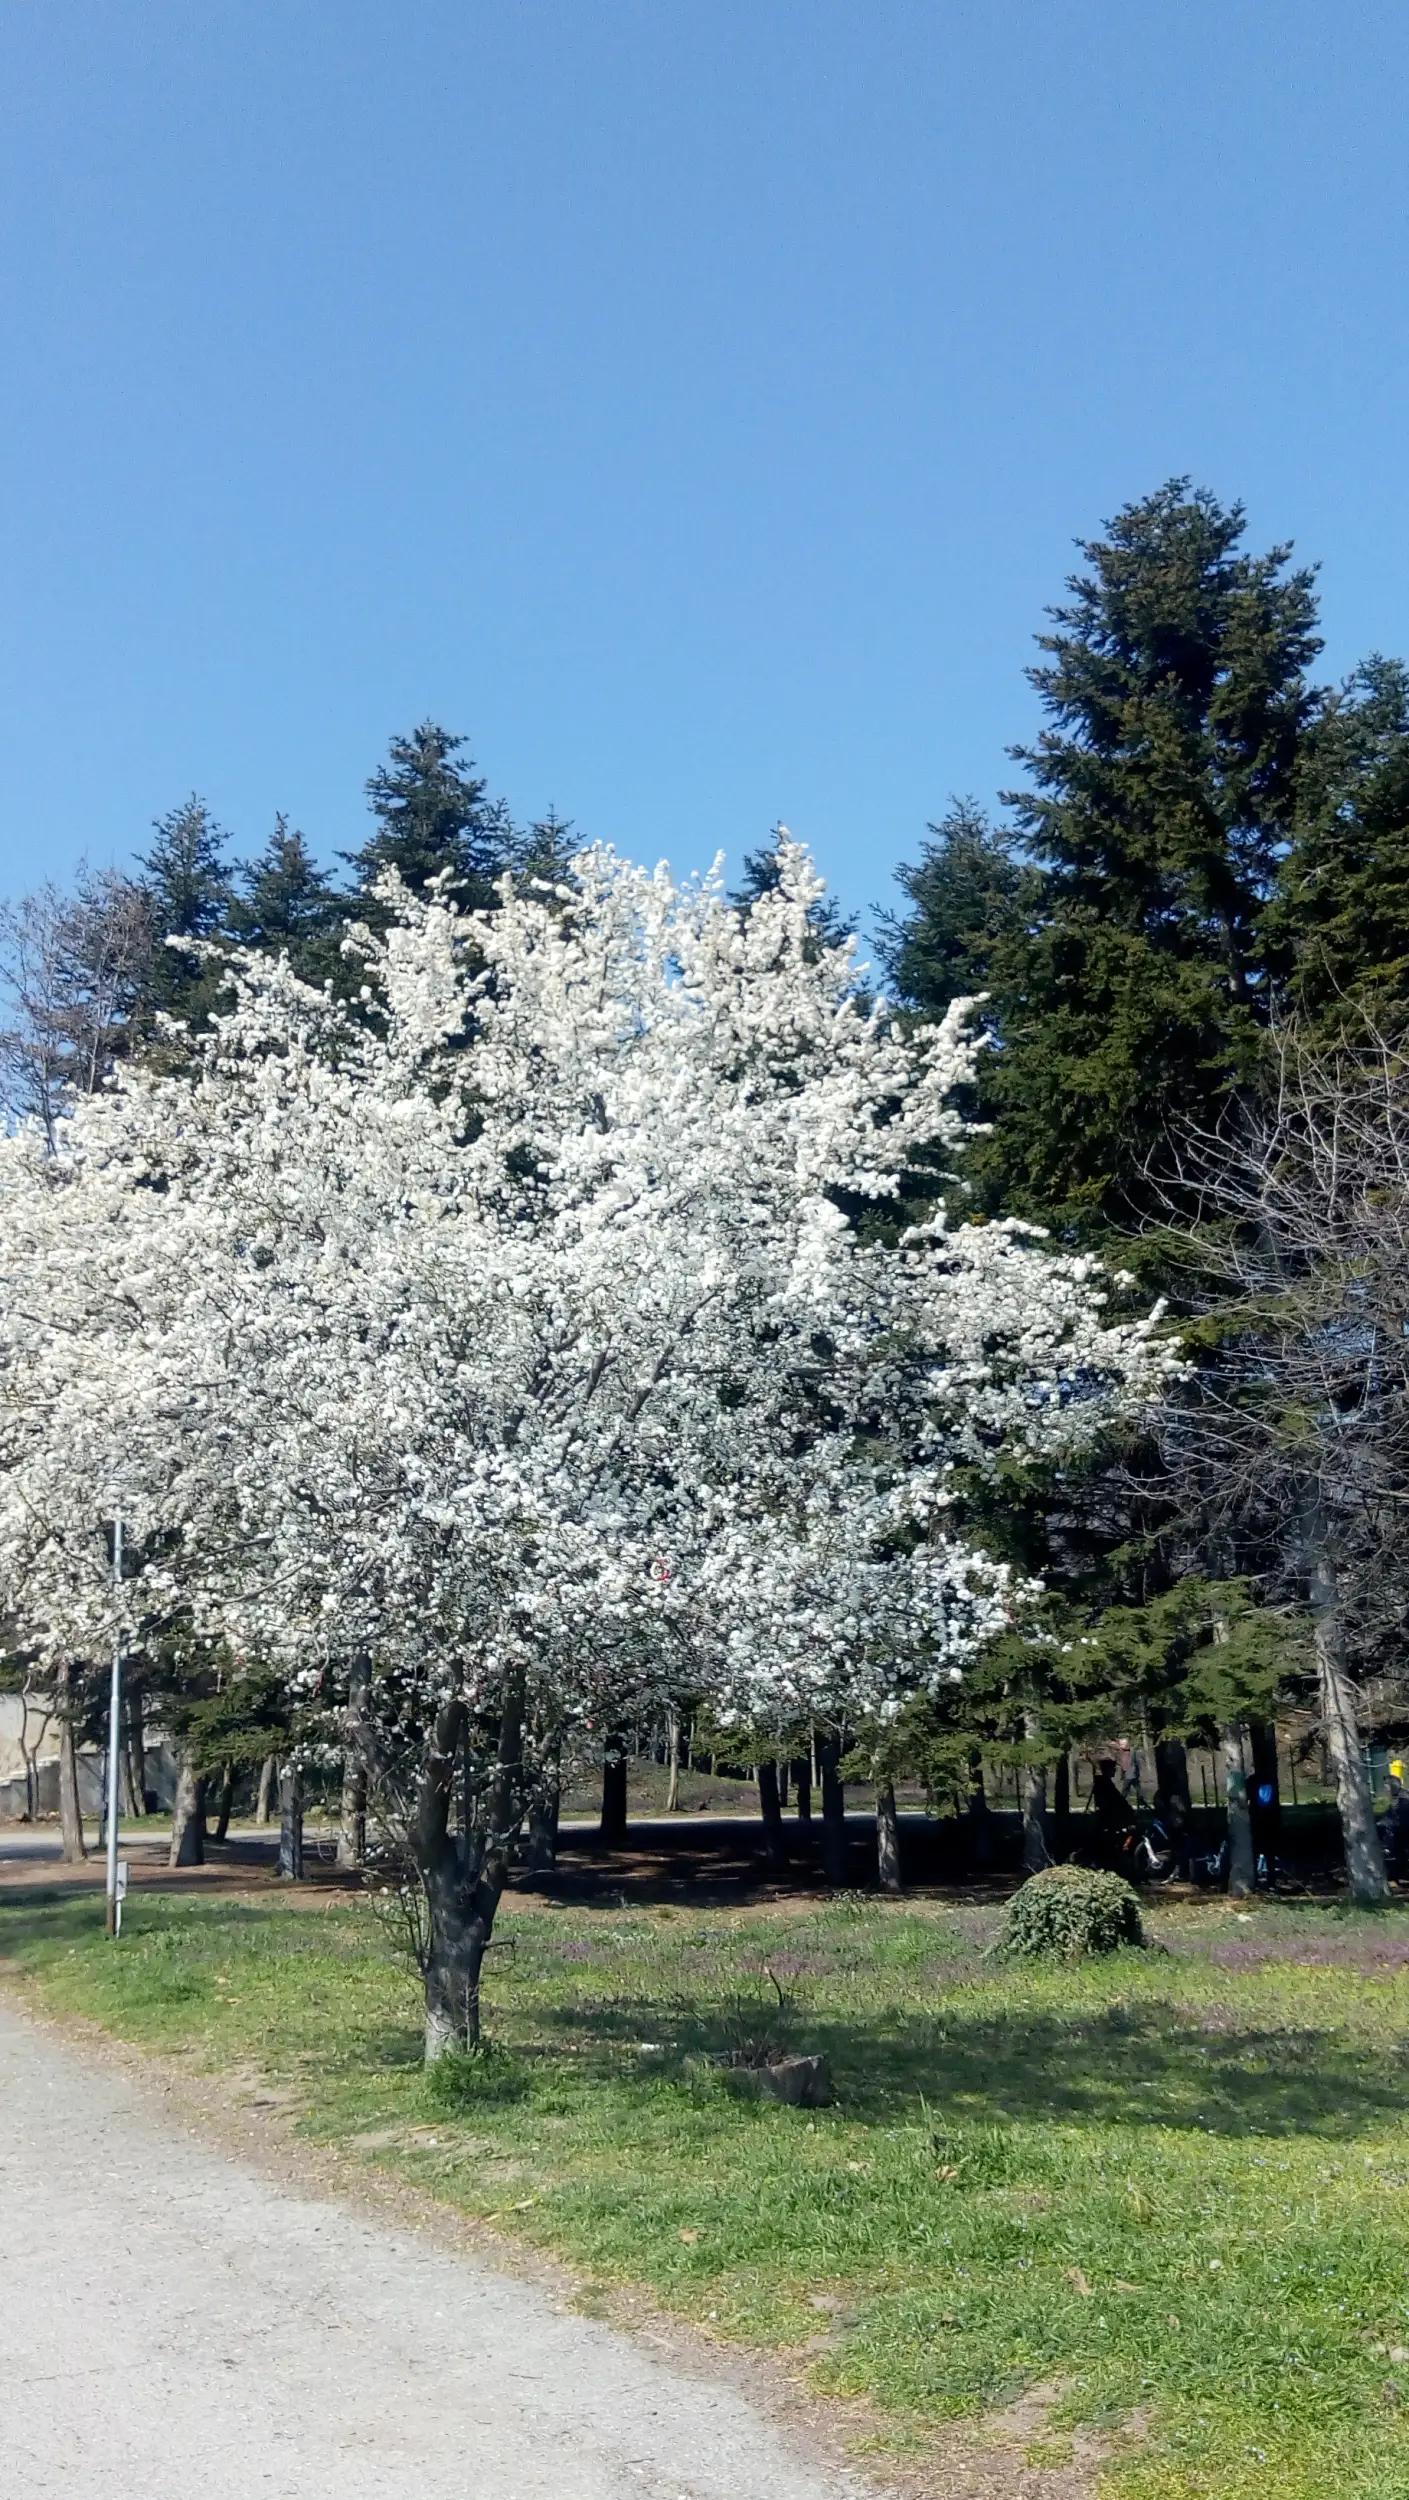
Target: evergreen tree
(1342, 910)
(760, 876)
(1162, 791)
(546, 851)
(288, 906)
(1130, 976)
(189, 891)
(966, 894)
(1124, 935)
(433, 819)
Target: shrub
(469, 2079)
(1067, 1911)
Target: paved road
(26, 1841)
(174, 2321)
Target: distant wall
(27, 1730)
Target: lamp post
(114, 1913)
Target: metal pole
(114, 1739)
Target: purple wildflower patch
(1377, 1956)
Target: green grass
(1176, 2183)
(648, 1786)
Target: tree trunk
(1266, 1811)
(29, 1751)
(462, 1883)
(1037, 1848)
(1241, 1864)
(352, 1815)
(264, 1803)
(188, 1814)
(833, 1812)
(457, 1934)
(672, 1793)
(802, 1789)
(225, 1802)
(612, 1833)
(136, 1747)
(541, 1849)
(1147, 1776)
(70, 1811)
(980, 1820)
(291, 1824)
(1364, 1857)
(1172, 1772)
(887, 1837)
(1172, 1797)
(770, 1806)
(1061, 1805)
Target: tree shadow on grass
(698, 1861)
(41, 1915)
(1143, 2066)
(35, 1924)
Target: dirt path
(175, 2320)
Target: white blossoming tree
(517, 1340)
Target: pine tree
(1123, 933)
(1162, 791)
(433, 819)
(966, 894)
(1342, 910)
(1177, 706)
(546, 851)
(288, 906)
(761, 871)
(189, 891)
(1131, 975)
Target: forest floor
(1146, 2221)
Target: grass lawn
(1176, 2184)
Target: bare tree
(1295, 1441)
(73, 971)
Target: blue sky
(693, 400)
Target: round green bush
(1067, 1911)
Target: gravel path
(176, 2322)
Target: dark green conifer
(1341, 916)
(761, 871)
(966, 894)
(1162, 791)
(546, 851)
(433, 819)
(287, 906)
(189, 891)
(1123, 932)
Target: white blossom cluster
(535, 1320)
